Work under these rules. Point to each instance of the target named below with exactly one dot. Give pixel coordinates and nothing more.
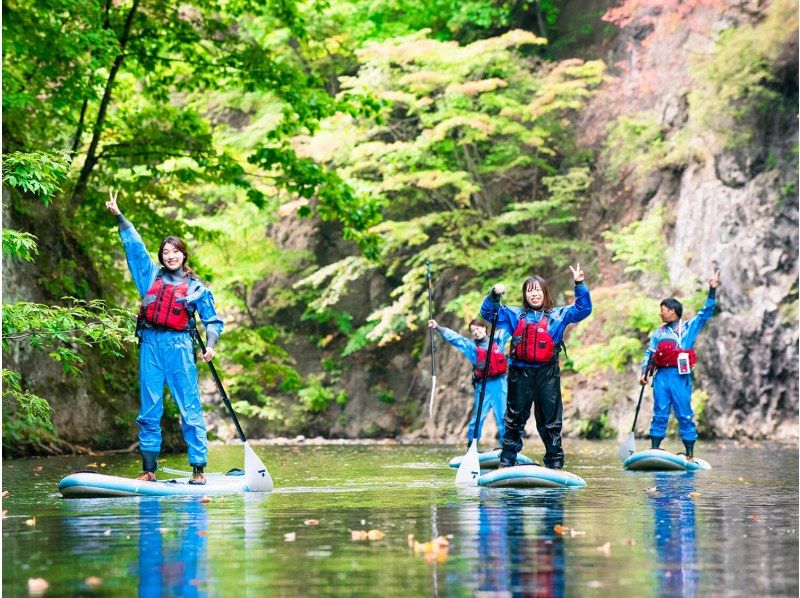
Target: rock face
(734, 207)
(87, 408)
(750, 360)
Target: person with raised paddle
(477, 350)
(171, 295)
(672, 351)
(534, 377)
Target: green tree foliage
(466, 132)
(642, 246)
(738, 86)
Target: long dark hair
(547, 299)
(178, 244)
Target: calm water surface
(732, 531)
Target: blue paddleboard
(530, 476)
(660, 460)
(490, 460)
(98, 485)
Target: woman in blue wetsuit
(476, 351)
(170, 295)
(534, 378)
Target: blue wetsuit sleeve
(463, 344)
(695, 325)
(507, 318)
(203, 302)
(142, 267)
(582, 307)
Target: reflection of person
(675, 536)
(672, 351)
(170, 297)
(534, 377)
(517, 562)
(476, 351)
(164, 569)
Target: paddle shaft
(219, 386)
(641, 394)
(486, 371)
(430, 317)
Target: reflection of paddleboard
(490, 460)
(660, 460)
(97, 485)
(530, 476)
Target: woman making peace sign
(534, 378)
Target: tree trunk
(91, 154)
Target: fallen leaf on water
(375, 534)
(434, 551)
(694, 495)
(93, 582)
(205, 499)
(30, 521)
(107, 532)
(311, 522)
(754, 517)
(605, 549)
(358, 534)
(202, 533)
(5, 493)
(290, 537)
(37, 586)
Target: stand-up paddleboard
(490, 460)
(98, 485)
(530, 476)
(661, 460)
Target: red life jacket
(498, 364)
(532, 342)
(667, 350)
(164, 311)
(666, 355)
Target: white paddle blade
(433, 396)
(627, 448)
(255, 472)
(470, 467)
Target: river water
(731, 531)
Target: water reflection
(172, 562)
(675, 535)
(519, 552)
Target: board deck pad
(530, 476)
(489, 460)
(661, 460)
(98, 485)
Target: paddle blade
(433, 396)
(470, 467)
(627, 448)
(255, 472)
